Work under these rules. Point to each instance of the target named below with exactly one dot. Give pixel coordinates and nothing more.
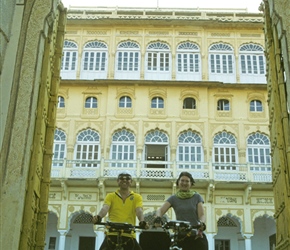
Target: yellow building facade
(155, 92)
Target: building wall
(277, 30)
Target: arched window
(157, 103)
(223, 105)
(221, 63)
(252, 64)
(258, 152)
(188, 63)
(225, 152)
(158, 62)
(189, 103)
(125, 102)
(61, 103)
(59, 148)
(256, 106)
(123, 148)
(156, 149)
(189, 151)
(69, 60)
(91, 102)
(87, 149)
(128, 61)
(94, 62)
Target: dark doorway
(87, 243)
(272, 241)
(156, 153)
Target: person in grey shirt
(188, 206)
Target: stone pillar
(96, 240)
(210, 239)
(62, 238)
(100, 236)
(248, 241)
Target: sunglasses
(127, 178)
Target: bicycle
(181, 230)
(119, 229)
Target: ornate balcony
(206, 172)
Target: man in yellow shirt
(123, 206)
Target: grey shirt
(186, 209)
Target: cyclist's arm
(163, 209)
(139, 213)
(104, 210)
(200, 212)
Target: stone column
(100, 236)
(248, 241)
(210, 239)
(62, 237)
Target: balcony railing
(169, 170)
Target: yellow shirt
(123, 211)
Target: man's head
(124, 176)
(124, 180)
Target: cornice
(167, 83)
(173, 15)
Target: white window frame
(190, 151)
(87, 149)
(225, 152)
(59, 148)
(92, 102)
(157, 137)
(189, 103)
(94, 61)
(157, 102)
(223, 105)
(125, 102)
(69, 60)
(127, 65)
(188, 62)
(221, 63)
(258, 152)
(61, 102)
(158, 62)
(256, 106)
(123, 147)
(252, 64)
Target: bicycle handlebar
(117, 226)
(180, 225)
